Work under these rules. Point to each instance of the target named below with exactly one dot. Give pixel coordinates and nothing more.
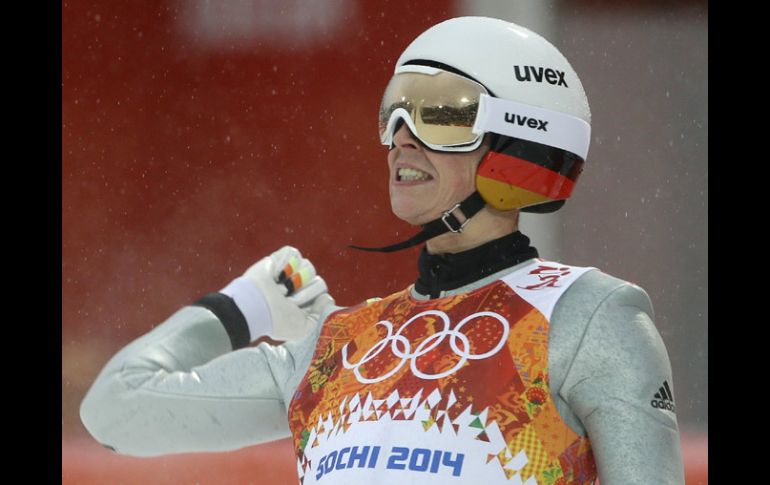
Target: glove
(280, 296)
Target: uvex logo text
(538, 74)
(523, 120)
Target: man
(494, 367)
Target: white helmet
(528, 168)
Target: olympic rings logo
(402, 348)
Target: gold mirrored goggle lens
(442, 106)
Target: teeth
(410, 174)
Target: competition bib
(449, 390)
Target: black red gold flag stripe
(507, 182)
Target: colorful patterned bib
(449, 390)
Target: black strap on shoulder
(447, 222)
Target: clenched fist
(280, 296)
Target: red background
(183, 165)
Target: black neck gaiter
(442, 272)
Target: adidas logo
(664, 398)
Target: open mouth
(405, 174)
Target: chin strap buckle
(448, 214)
(447, 222)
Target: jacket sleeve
(620, 365)
(181, 388)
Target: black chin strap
(447, 222)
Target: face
(425, 183)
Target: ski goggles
(450, 113)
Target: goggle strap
(533, 123)
(448, 222)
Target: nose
(404, 138)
